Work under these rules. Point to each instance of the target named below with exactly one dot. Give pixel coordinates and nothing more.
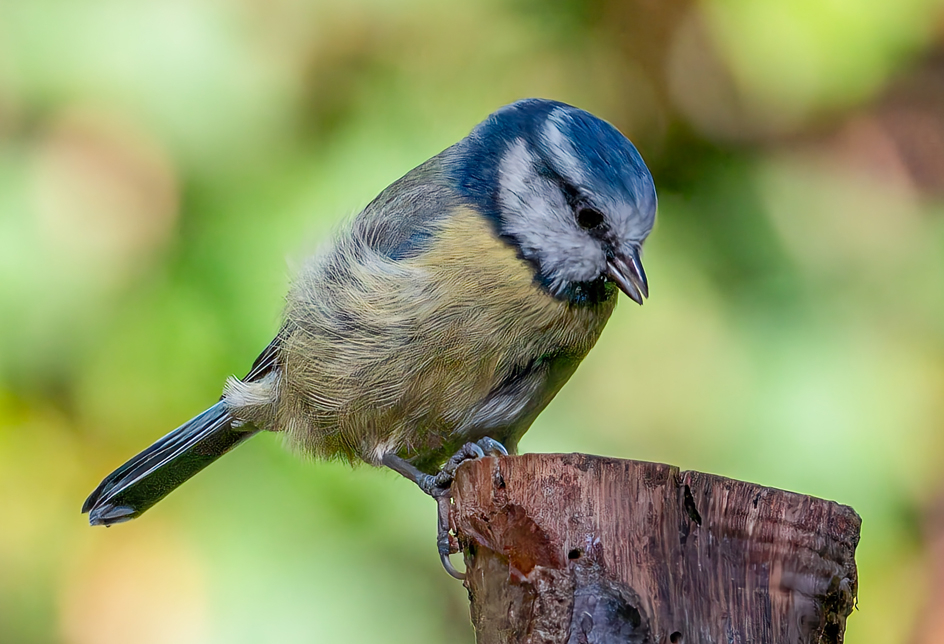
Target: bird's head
(568, 190)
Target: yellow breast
(423, 343)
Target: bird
(440, 320)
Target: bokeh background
(166, 165)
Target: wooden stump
(579, 549)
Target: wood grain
(578, 549)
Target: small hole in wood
(573, 554)
(675, 638)
(690, 507)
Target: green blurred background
(165, 166)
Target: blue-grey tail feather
(147, 478)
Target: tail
(147, 478)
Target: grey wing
(400, 223)
(512, 406)
(267, 361)
(351, 322)
(507, 412)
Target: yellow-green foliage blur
(166, 165)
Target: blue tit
(446, 315)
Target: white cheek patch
(536, 214)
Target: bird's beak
(626, 270)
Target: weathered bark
(580, 549)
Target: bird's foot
(440, 483)
(439, 486)
(441, 490)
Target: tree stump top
(577, 549)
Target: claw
(450, 568)
(444, 540)
(441, 490)
(439, 486)
(442, 481)
(491, 447)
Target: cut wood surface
(582, 549)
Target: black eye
(588, 217)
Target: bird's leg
(435, 484)
(439, 486)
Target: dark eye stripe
(571, 194)
(588, 217)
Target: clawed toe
(445, 542)
(447, 565)
(468, 452)
(491, 447)
(439, 486)
(442, 481)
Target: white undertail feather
(251, 394)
